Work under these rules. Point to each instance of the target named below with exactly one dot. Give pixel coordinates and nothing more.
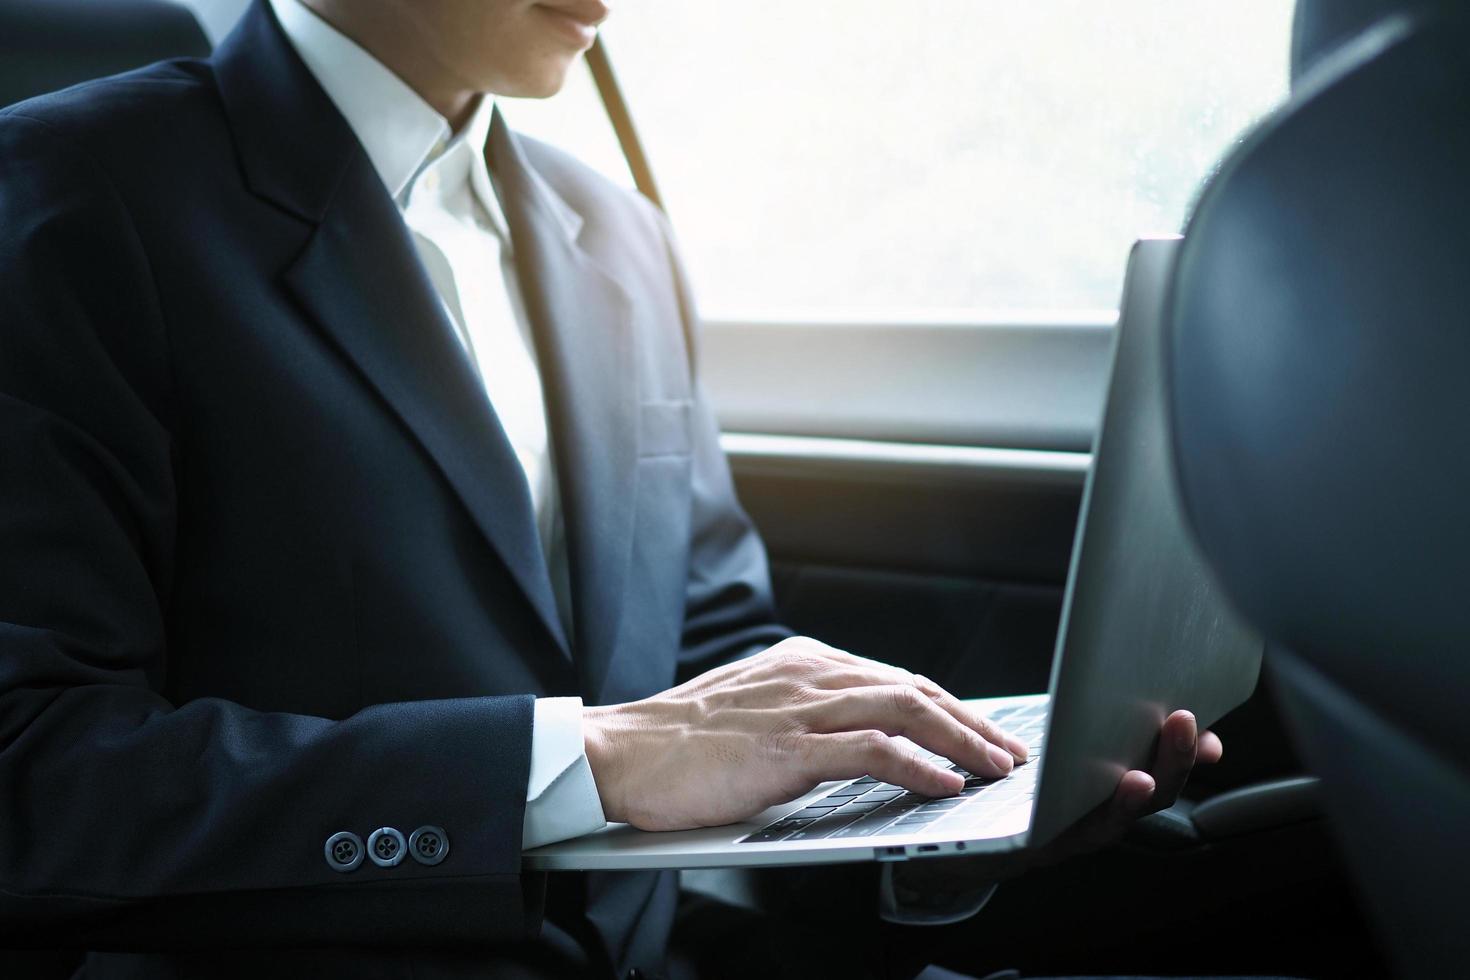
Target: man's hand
(767, 729)
(1139, 793)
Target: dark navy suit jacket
(268, 568)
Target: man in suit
(361, 513)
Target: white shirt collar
(399, 130)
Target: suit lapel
(360, 279)
(582, 323)
(376, 304)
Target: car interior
(916, 471)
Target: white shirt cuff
(561, 796)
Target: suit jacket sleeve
(127, 821)
(729, 611)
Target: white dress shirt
(443, 188)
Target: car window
(892, 158)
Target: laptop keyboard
(868, 808)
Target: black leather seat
(50, 44)
(1322, 26)
(1320, 371)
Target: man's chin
(538, 84)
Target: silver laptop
(1144, 631)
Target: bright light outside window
(891, 157)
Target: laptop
(1144, 631)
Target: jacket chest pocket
(663, 428)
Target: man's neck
(399, 45)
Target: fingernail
(1001, 758)
(1018, 748)
(1140, 802)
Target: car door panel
(917, 485)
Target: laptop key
(767, 836)
(819, 809)
(822, 828)
(913, 798)
(865, 827)
(861, 806)
(790, 823)
(848, 791)
(776, 831)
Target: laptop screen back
(1145, 630)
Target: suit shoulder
(136, 117)
(587, 190)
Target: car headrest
(49, 44)
(1321, 26)
(1320, 373)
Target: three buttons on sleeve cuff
(386, 847)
